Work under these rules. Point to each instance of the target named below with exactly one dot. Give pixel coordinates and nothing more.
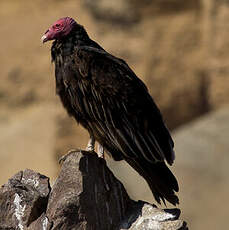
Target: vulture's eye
(57, 25)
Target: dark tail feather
(160, 179)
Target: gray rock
(87, 191)
(146, 216)
(23, 199)
(86, 195)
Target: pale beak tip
(44, 38)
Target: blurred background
(180, 49)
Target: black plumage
(106, 97)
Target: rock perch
(85, 196)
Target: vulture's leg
(100, 151)
(91, 144)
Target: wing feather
(121, 108)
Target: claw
(100, 151)
(91, 144)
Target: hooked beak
(44, 38)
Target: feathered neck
(66, 45)
(79, 34)
(77, 37)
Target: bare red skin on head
(59, 29)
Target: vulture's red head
(59, 29)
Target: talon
(100, 151)
(90, 148)
(91, 144)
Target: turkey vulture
(105, 96)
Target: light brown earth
(179, 48)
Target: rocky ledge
(86, 195)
